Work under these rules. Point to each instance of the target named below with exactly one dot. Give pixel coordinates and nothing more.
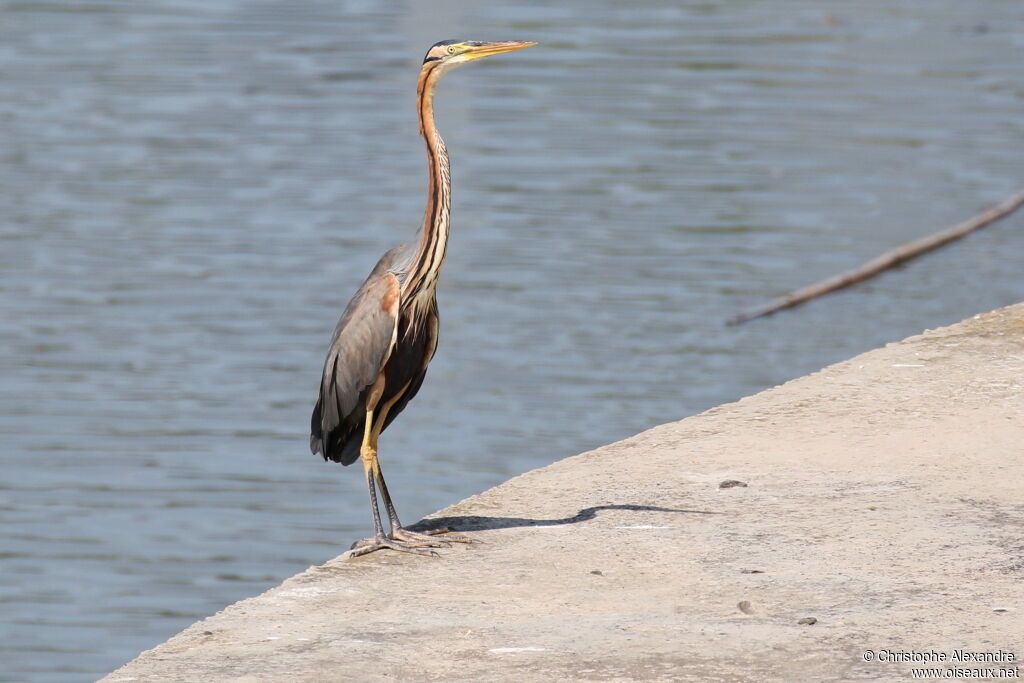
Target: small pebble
(596, 572)
(731, 483)
(808, 621)
(745, 607)
(751, 571)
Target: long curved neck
(433, 236)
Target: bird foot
(369, 545)
(406, 541)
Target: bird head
(453, 53)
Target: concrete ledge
(883, 498)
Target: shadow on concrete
(479, 523)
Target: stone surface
(883, 499)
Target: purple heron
(387, 335)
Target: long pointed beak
(478, 50)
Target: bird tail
(338, 445)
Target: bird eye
(451, 49)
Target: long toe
(369, 545)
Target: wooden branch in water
(887, 260)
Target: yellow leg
(398, 532)
(374, 428)
(397, 538)
(368, 454)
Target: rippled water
(190, 191)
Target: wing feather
(362, 343)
